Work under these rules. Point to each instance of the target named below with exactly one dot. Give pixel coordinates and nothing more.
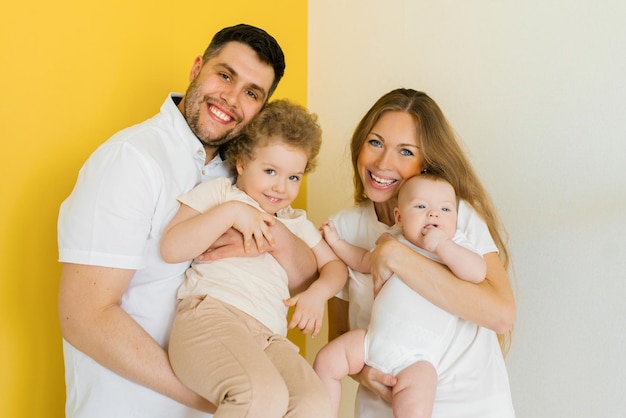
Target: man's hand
(230, 244)
(378, 382)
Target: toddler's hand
(308, 313)
(253, 224)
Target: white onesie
(405, 327)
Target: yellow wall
(73, 72)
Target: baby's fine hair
(430, 175)
(280, 121)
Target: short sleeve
(106, 220)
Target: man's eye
(225, 76)
(252, 94)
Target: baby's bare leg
(414, 394)
(341, 357)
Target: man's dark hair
(261, 42)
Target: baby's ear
(396, 215)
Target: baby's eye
(270, 171)
(445, 209)
(294, 178)
(421, 206)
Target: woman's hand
(386, 246)
(378, 382)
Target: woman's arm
(489, 304)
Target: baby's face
(424, 204)
(273, 176)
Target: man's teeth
(219, 114)
(381, 180)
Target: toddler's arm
(356, 258)
(190, 232)
(309, 305)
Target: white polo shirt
(124, 197)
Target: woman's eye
(406, 152)
(375, 143)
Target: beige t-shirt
(255, 285)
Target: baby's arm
(309, 311)
(356, 258)
(191, 232)
(463, 262)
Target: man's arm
(290, 251)
(93, 322)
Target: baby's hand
(330, 233)
(308, 313)
(253, 224)
(432, 237)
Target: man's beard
(193, 104)
(207, 140)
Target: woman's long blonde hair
(442, 154)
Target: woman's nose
(383, 161)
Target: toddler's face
(273, 176)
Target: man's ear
(195, 69)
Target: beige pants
(238, 364)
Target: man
(117, 297)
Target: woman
(403, 134)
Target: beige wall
(536, 91)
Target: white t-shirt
(255, 285)
(473, 382)
(124, 197)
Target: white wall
(536, 91)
